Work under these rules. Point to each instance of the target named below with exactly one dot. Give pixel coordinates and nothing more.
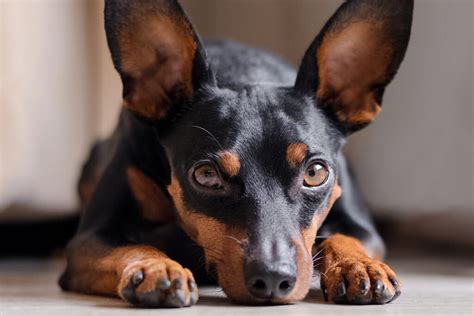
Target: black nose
(267, 281)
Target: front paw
(158, 283)
(359, 281)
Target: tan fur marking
(229, 162)
(94, 268)
(304, 263)
(296, 153)
(304, 246)
(309, 235)
(155, 206)
(221, 244)
(352, 61)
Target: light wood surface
(431, 286)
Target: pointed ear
(159, 57)
(354, 58)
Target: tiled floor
(432, 286)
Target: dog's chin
(247, 299)
(253, 301)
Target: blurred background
(59, 93)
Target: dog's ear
(157, 53)
(354, 58)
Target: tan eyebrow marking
(229, 162)
(296, 153)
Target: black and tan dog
(227, 162)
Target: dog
(226, 163)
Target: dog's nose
(267, 281)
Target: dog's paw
(158, 283)
(359, 281)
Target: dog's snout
(268, 281)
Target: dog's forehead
(256, 123)
(263, 115)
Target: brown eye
(207, 176)
(315, 175)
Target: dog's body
(209, 158)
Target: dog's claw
(396, 285)
(378, 288)
(364, 287)
(164, 284)
(192, 285)
(137, 278)
(324, 289)
(393, 281)
(178, 284)
(341, 291)
(149, 299)
(180, 295)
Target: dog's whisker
(213, 254)
(210, 134)
(322, 273)
(234, 239)
(317, 265)
(317, 253)
(214, 259)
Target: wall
(59, 91)
(45, 93)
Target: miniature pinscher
(226, 163)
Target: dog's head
(254, 170)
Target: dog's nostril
(259, 285)
(284, 286)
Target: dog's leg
(350, 268)
(139, 274)
(108, 256)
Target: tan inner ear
(352, 61)
(157, 52)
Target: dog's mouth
(251, 282)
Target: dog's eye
(316, 174)
(207, 176)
